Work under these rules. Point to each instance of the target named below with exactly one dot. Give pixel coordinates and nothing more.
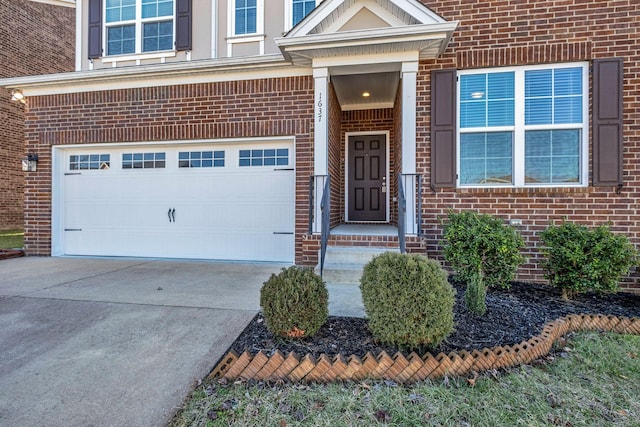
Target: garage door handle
(172, 215)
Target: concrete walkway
(115, 342)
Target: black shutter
(95, 29)
(183, 24)
(607, 122)
(443, 128)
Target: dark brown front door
(367, 178)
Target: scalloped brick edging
(10, 253)
(413, 368)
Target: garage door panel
(227, 213)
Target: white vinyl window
(246, 17)
(138, 26)
(296, 10)
(245, 24)
(523, 126)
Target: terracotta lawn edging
(10, 253)
(401, 369)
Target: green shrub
(294, 303)
(407, 299)
(580, 259)
(483, 252)
(475, 296)
(475, 242)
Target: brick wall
(275, 107)
(34, 39)
(499, 33)
(336, 154)
(491, 33)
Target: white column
(320, 138)
(320, 142)
(409, 75)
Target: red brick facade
(275, 107)
(35, 38)
(490, 34)
(498, 33)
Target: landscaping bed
(513, 315)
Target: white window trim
(519, 127)
(135, 57)
(233, 38)
(288, 14)
(138, 22)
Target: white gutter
(209, 70)
(358, 38)
(409, 32)
(65, 3)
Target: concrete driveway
(119, 342)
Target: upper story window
(300, 9)
(136, 26)
(524, 126)
(246, 17)
(296, 10)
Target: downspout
(79, 21)
(214, 28)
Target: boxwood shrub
(579, 259)
(483, 251)
(407, 299)
(295, 303)
(482, 242)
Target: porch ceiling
(381, 87)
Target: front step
(345, 264)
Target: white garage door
(227, 202)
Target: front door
(367, 179)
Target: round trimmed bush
(295, 303)
(408, 300)
(580, 259)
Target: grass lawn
(11, 239)
(593, 381)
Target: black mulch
(512, 316)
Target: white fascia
(64, 3)
(171, 73)
(414, 8)
(418, 10)
(352, 38)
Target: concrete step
(342, 273)
(345, 264)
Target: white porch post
(320, 139)
(409, 75)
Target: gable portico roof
(406, 26)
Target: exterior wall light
(366, 94)
(17, 95)
(30, 163)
